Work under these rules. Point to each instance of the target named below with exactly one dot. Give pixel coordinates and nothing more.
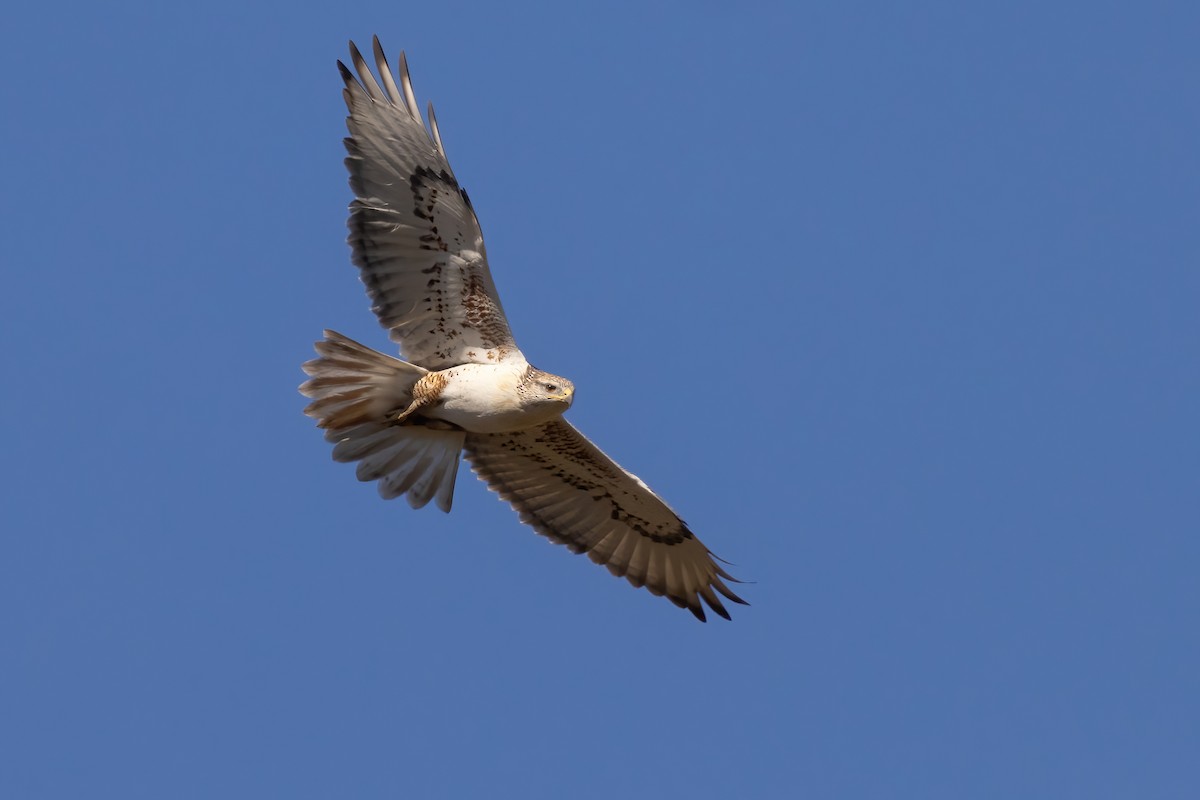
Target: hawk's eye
(551, 387)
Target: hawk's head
(545, 391)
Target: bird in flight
(464, 387)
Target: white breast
(483, 398)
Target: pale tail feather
(406, 459)
(353, 388)
(351, 384)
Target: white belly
(483, 398)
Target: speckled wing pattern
(572, 493)
(414, 235)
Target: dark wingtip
(728, 593)
(725, 574)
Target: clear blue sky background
(895, 302)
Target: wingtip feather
(366, 77)
(385, 72)
(410, 97)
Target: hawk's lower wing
(569, 491)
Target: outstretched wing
(569, 491)
(415, 237)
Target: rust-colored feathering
(428, 389)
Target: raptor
(464, 387)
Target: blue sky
(895, 303)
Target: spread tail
(356, 394)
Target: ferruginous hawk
(465, 387)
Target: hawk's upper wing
(414, 234)
(569, 491)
